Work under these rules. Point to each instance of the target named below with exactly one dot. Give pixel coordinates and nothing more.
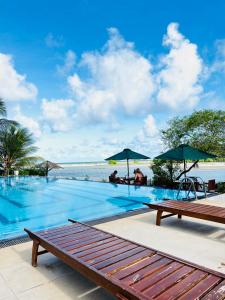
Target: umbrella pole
(185, 168)
(128, 173)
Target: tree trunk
(7, 166)
(186, 171)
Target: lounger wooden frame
(127, 269)
(189, 209)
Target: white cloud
(148, 140)
(181, 69)
(13, 86)
(52, 41)
(55, 113)
(149, 129)
(220, 47)
(219, 62)
(69, 63)
(119, 82)
(27, 122)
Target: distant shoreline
(201, 165)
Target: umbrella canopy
(127, 154)
(48, 166)
(185, 152)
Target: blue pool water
(37, 203)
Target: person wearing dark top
(113, 178)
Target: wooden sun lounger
(126, 269)
(189, 209)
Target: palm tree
(2, 107)
(3, 112)
(16, 148)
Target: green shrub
(220, 187)
(112, 162)
(32, 172)
(164, 173)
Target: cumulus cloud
(181, 69)
(14, 86)
(27, 122)
(119, 81)
(219, 62)
(52, 41)
(149, 129)
(68, 65)
(55, 113)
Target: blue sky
(91, 77)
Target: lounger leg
(179, 216)
(34, 253)
(158, 217)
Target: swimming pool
(36, 202)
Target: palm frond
(2, 107)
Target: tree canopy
(16, 147)
(204, 129)
(4, 122)
(16, 144)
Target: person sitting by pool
(113, 178)
(138, 176)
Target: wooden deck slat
(57, 230)
(145, 272)
(127, 269)
(89, 241)
(78, 241)
(182, 286)
(167, 282)
(111, 255)
(201, 288)
(190, 206)
(75, 237)
(106, 251)
(217, 293)
(164, 271)
(67, 237)
(76, 248)
(136, 268)
(118, 258)
(194, 210)
(97, 250)
(126, 262)
(66, 233)
(95, 245)
(194, 207)
(58, 233)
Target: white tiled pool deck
(198, 241)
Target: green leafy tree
(16, 148)
(204, 129)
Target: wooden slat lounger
(189, 209)
(126, 269)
